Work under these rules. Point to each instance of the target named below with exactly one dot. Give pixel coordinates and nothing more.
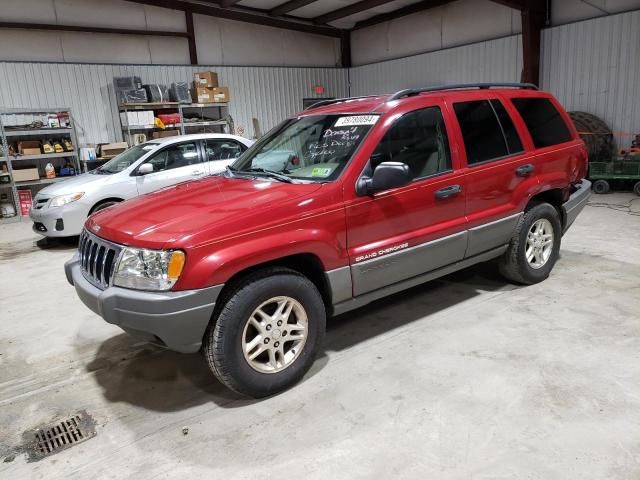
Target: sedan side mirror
(145, 168)
(386, 176)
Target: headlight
(64, 199)
(144, 269)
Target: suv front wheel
(267, 332)
(534, 247)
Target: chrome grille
(98, 259)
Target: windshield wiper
(269, 173)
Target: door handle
(197, 172)
(524, 170)
(448, 192)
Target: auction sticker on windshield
(356, 120)
(321, 172)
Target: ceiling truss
(534, 17)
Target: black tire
(636, 188)
(514, 265)
(597, 136)
(601, 187)
(223, 342)
(103, 205)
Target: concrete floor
(466, 377)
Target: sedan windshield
(125, 159)
(313, 148)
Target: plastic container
(157, 92)
(169, 118)
(179, 92)
(64, 120)
(53, 121)
(49, 171)
(133, 96)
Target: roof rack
(409, 92)
(323, 103)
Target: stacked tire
(596, 135)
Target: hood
(74, 184)
(195, 212)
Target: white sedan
(61, 209)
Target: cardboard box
(220, 94)
(25, 174)
(206, 79)
(165, 133)
(109, 149)
(29, 147)
(129, 118)
(133, 119)
(202, 95)
(146, 117)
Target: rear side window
(543, 120)
(481, 131)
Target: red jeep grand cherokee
(352, 200)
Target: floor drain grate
(61, 435)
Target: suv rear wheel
(534, 247)
(267, 333)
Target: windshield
(125, 159)
(314, 148)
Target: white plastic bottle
(50, 171)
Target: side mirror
(386, 176)
(145, 168)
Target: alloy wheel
(539, 243)
(275, 334)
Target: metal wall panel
(594, 66)
(267, 93)
(493, 60)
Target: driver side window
(176, 156)
(419, 140)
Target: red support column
(534, 17)
(193, 51)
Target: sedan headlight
(144, 269)
(64, 199)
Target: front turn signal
(176, 264)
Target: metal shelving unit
(11, 134)
(221, 115)
(222, 122)
(43, 131)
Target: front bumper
(175, 320)
(576, 203)
(70, 217)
